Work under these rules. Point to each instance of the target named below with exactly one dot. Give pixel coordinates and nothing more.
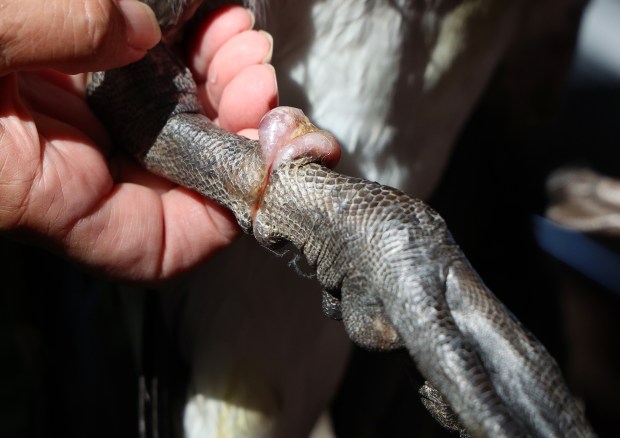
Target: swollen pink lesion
(285, 134)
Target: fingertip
(118, 37)
(221, 26)
(248, 97)
(141, 27)
(241, 51)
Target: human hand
(62, 183)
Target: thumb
(74, 35)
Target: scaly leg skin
(439, 408)
(420, 292)
(472, 317)
(387, 261)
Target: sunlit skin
(64, 185)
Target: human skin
(63, 184)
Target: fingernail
(143, 31)
(252, 18)
(275, 81)
(267, 58)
